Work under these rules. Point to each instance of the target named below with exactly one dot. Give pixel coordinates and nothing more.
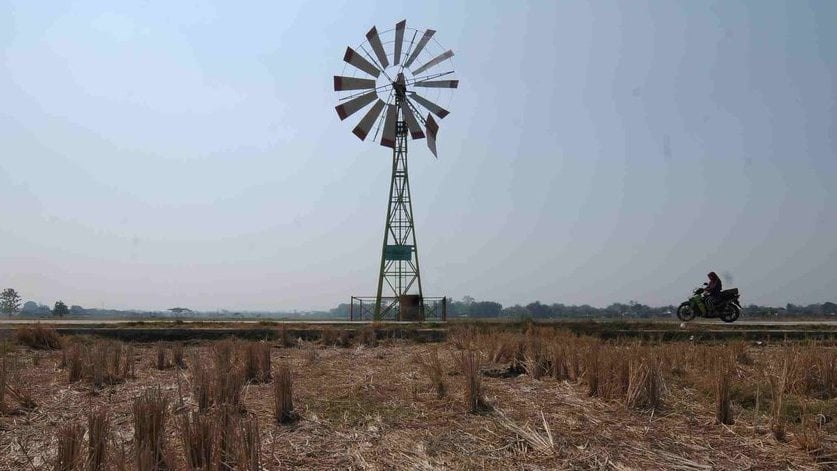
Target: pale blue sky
(185, 153)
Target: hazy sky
(155, 154)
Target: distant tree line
(468, 307)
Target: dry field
(538, 398)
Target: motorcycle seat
(729, 293)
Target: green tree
(60, 309)
(9, 301)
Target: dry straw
(68, 452)
(283, 404)
(150, 411)
(723, 408)
(98, 427)
(470, 363)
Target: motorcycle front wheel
(731, 313)
(685, 312)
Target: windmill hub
(400, 87)
(387, 78)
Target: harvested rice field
(487, 398)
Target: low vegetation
(523, 395)
(38, 337)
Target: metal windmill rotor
(396, 80)
(395, 77)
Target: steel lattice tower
(399, 272)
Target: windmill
(396, 76)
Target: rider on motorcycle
(711, 301)
(713, 290)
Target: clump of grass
(162, 358)
(559, 369)
(809, 437)
(104, 363)
(609, 372)
(470, 364)
(250, 445)
(128, 368)
(592, 371)
(75, 367)
(645, 384)
(201, 385)
(778, 384)
(534, 358)
(99, 363)
(223, 353)
(228, 446)
(98, 425)
(239, 442)
(112, 352)
(283, 402)
(38, 337)
(817, 372)
(432, 366)
(68, 453)
(257, 362)
(505, 347)
(150, 412)
(228, 385)
(197, 433)
(177, 355)
(723, 410)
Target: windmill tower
(388, 76)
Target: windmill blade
(352, 57)
(432, 129)
(429, 105)
(419, 47)
(355, 104)
(365, 125)
(399, 39)
(412, 122)
(438, 84)
(352, 83)
(388, 138)
(375, 42)
(435, 61)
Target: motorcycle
(728, 308)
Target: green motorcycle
(728, 308)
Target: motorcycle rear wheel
(685, 312)
(731, 313)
